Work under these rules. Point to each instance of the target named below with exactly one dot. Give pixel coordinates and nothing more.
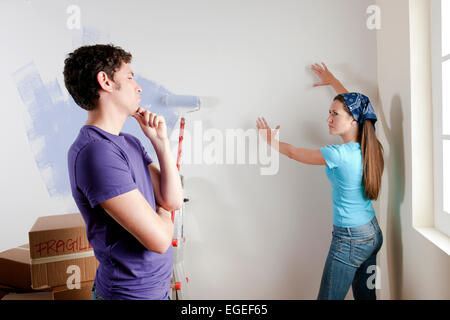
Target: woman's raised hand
(326, 77)
(265, 131)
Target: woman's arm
(307, 156)
(327, 78)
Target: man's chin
(134, 109)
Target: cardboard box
(60, 252)
(15, 268)
(64, 293)
(29, 296)
(4, 290)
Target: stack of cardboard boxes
(57, 264)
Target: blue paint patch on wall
(54, 122)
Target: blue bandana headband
(360, 107)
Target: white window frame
(441, 218)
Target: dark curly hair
(82, 66)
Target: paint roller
(181, 105)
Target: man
(123, 197)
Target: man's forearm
(167, 224)
(171, 189)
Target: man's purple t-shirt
(102, 166)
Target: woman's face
(339, 121)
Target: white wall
(248, 236)
(416, 268)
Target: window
(440, 29)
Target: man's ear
(104, 81)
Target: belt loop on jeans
(374, 223)
(349, 233)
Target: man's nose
(139, 90)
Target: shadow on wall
(355, 79)
(395, 166)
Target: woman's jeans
(352, 261)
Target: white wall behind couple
(248, 236)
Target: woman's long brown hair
(372, 154)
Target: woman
(354, 169)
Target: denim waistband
(369, 228)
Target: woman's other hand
(265, 131)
